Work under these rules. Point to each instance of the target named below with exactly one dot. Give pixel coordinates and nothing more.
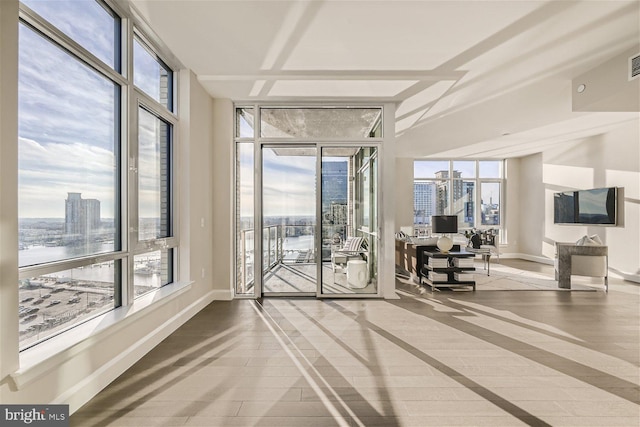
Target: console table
(587, 260)
(447, 269)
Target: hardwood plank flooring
(496, 358)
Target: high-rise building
(432, 198)
(335, 188)
(81, 217)
(424, 202)
(335, 178)
(443, 190)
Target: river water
(102, 272)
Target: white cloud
(289, 185)
(46, 173)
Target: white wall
(223, 198)
(195, 180)
(511, 209)
(530, 195)
(611, 159)
(388, 200)
(404, 193)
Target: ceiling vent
(634, 67)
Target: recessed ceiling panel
(392, 35)
(339, 88)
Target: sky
(65, 128)
(288, 185)
(289, 182)
(66, 116)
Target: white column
(388, 204)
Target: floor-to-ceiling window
(470, 189)
(307, 176)
(244, 204)
(95, 173)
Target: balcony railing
(283, 244)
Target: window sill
(48, 355)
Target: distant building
(424, 202)
(335, 179)
(81, 217)
(335, 190)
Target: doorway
(289, 255)
(306, 213)
(319, 220)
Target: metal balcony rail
(285, 244)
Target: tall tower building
(424, 201)
(335, 192)
(81, 217)
(334, 184)
(443, 190)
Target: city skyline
(432, 198)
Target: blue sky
(67, 132)
(65, 129)
(288, 184)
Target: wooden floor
(494, 358)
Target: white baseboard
(87, 389)
(535, 258)
(222, 294)
(630, 277)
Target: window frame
(138, 35)
(126, 133)
(478, 181)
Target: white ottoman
(357, 273)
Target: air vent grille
(634, 67)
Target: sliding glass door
(349, 226)
(306, 213)
(289, 255)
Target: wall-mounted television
(596, 206)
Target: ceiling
(469, 78)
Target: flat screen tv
(595, 206)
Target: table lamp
(444, 224)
